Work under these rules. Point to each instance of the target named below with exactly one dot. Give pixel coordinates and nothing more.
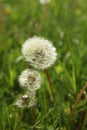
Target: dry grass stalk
(77, 100)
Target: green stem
(50, 84)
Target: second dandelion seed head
(30, 79)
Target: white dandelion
(39, 52)
(30, 79)
(26, 100)
(44, 1)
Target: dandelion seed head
(39, 52)
(26, 100)
(30, 79)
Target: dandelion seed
(39, 52)
(30, 79)
(61, 32)
(44, 1)
(26, 100)
(18, 59)
(67, 56)
(76, 41)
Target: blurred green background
(64, 22)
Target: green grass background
(64, 22)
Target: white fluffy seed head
(39, 52)
(30, 79)
(26, 100)
(44, 1)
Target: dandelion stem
(81, 120)
(33, 117)
(20, 120)
(50, 84)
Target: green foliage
(64, 22)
